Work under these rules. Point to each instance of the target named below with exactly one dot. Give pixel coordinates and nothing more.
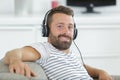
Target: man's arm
(15, 58)
(101, 74)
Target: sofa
(6, 75)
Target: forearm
(101, 74)
(22, 54)
(93, 72)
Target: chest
(62, 61)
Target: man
(55, 57)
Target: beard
(57, 43)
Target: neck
(66, 51)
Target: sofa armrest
(6, 75)
(115, 77)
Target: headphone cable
(79, 53)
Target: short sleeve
(41, 48)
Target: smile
(63, 38)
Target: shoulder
(41, 48)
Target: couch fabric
(6, 75)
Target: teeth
(64, 39)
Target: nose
(66, 30)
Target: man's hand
(101, 74)
(104, 76)
(20, 67)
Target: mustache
(63, 35)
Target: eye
(71, 27)
(60, 26)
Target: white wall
(6, 6)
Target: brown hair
(59, 9)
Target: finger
(17, 70)
(33, 74)
(11, 69)
(22, 71)
(27, 71)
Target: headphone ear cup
(75, 32)
(44, 30)
(45, 27)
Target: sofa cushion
(6, 75)
(9, 76)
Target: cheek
(72, 33)
(54, 32)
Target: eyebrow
(63, 23)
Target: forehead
(62, 17)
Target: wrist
(14, 60)
(13, 56)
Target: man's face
(61, 31)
